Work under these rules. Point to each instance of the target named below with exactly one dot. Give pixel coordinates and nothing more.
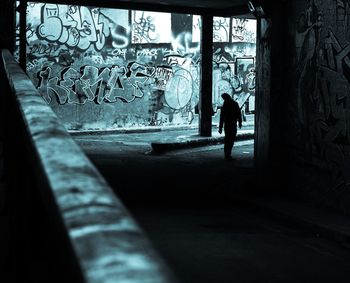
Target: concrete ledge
(107, 242)
(149, 129)
(195, 141)
(130, 131)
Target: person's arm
(239, 112)
(221, 124)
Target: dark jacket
(230, 115)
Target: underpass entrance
(128, 67)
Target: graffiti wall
(320, 105)
(112, 68)
(234, 41)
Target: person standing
(229, 116)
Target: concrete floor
(185, 201)
(181, 174)
(221, 242)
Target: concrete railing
(105, 242)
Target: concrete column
(205, 99)
(7, 41)
(7, 25)
(23, 35)
(262, 102)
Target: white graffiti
(243, 30)
(71, 25)
(221, 27)
(179, 89)
(183, 44)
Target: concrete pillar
(262, 114)
(7, 25)
(7, 41)
(205, 99)
(23, 35)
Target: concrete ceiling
(202, 7)
(208, 4)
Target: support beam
(205, 99)
(223, 10)
(23, 35)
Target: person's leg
(227, 146)
(229, 139)
(234, 135)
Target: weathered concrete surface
(317, 138)
(109, 245)
(188, 141)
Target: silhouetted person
(229, 116)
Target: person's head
(226, 97)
